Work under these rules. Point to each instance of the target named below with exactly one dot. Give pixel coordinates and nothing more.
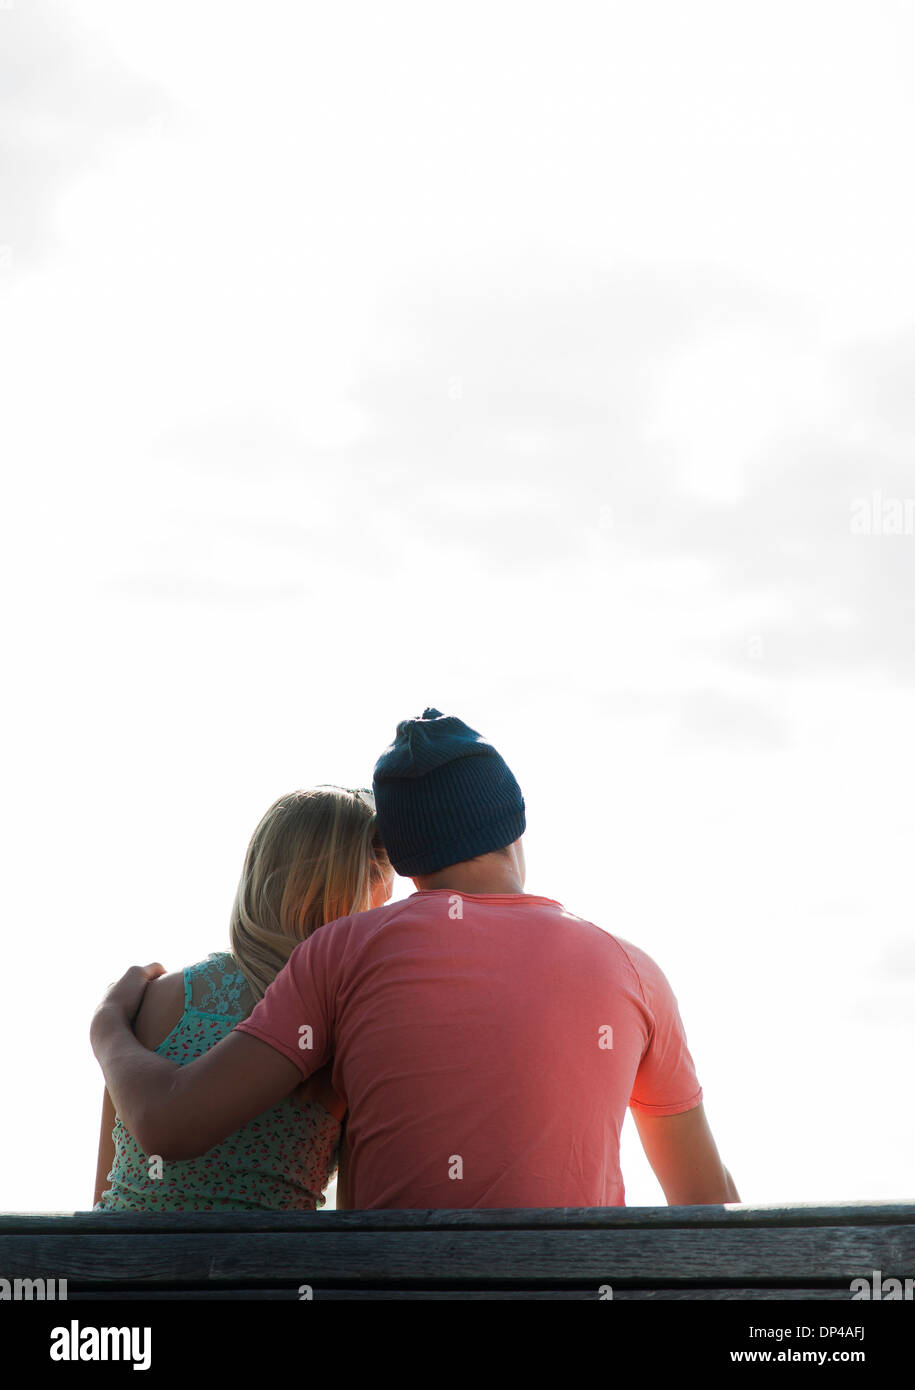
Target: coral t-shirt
(487, 1047)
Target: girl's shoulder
(213, 986)
(161, 1009)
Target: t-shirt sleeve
(293, 1015)
(666, 1081)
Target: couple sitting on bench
(470, 1046)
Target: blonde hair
(316, 855)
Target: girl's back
(283, 1159)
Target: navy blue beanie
(443, 795)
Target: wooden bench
(741, 1252)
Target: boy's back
(487, 1046)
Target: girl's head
(316, 855)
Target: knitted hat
(443, 795)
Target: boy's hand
(124, 997)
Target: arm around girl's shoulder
(159, 1013)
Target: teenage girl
(315, 856)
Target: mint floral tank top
(282, 1160)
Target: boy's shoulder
(335, 936)
(644, 967)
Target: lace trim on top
(217, 986)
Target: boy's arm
(181, 1112)
(684, 1157)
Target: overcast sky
(550, 364)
